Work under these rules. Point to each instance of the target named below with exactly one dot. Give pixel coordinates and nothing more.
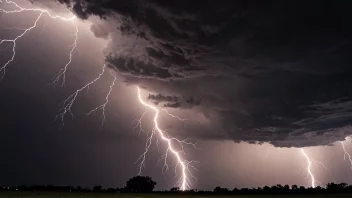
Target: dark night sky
(242, 72)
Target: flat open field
(93, 195)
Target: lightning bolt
(346, 153)
(103, 106)
(19, 9)
(309, 166)
(184, 165)
(67, 104)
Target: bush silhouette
(97, 188)
(140, 184)
(175, 189)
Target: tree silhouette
(342, 185)
(175, 189)
(140, 184)
(218, 189)
(97, 188)
(266, 189)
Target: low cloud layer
(273, 71)
(174, 101)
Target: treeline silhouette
(145, 184)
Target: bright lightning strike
(309, 166)
(346, 153)
(67, 104)
(19, 9)
(184, 165)
(103, 106)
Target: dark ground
(117, 195)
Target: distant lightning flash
(346, 153)
(312, 178)
(19, 9)
(185, 165)
(309, 168)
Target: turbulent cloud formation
(174, 101)
(264, 71)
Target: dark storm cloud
(161, 98)
(174, 101)
(267, 71)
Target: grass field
(92, 195)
